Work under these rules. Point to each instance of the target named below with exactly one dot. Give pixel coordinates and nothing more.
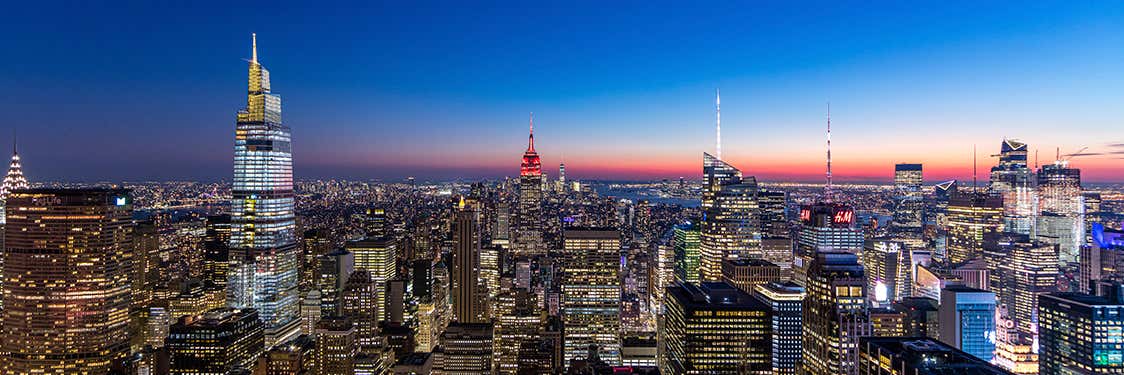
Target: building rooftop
(927, 356)
(718, 295)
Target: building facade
(67, 266)
(264, 255)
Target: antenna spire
(254, 56)
(974, 189)
(827, 188)
(531, 137)
(718, 124)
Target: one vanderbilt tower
(263, 252)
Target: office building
(378, 256)
(591, 294)
(337, 344)
(1030, 269)
(335, 268)
(835, 314)
(971, 217)
(359, 302)
(1080, 333)
(909, 202)
(889, 271)
(686, 242)
(219, 341)
(730, 228)
(967, 320)
(73, 248)
(263, 250)
(921, 316)
(714, 328)
(746, 274)
(824, 227)
(517, 325)
(1012, 182)
(466, 348)
(216, 250)
(297, 356)
(785, 302)
(887, 322)
(918, 356)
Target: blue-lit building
(967, 320)
(1081, 333)
(263, 247)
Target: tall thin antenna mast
(973, 169)
(718, 124)
(827, 188)
(254, 38)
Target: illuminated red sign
(844, 217)
(806, 214)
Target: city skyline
(392, 99)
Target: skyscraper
(714, 328)
(591, 294)
(1030, 269)
(335, 268)
(528, 225)
(786, 301)
(824, 226)
(12, 181)
(686, 240)
(1013, 181)
(67, 264)
(908, 198)
(835, 314)
(1080, 334)
(1063, 209)
(967, 320)
(264, 255)
(469, 297)
(730, 227)
(378, 256)
(971, 216)
(889, 271)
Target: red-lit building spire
(532, 166)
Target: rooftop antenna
(254, 56)
(827, 188)
(718, 124)
(1036, 158)
(531, 137)
(973, 169)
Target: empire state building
(263, 252)
(528, 225)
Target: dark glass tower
(263, 248)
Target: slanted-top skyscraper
(730, 228)
(263, 251)
(528, 226)
(1013, 180)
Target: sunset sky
(623, 91)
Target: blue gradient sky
(439, 90)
